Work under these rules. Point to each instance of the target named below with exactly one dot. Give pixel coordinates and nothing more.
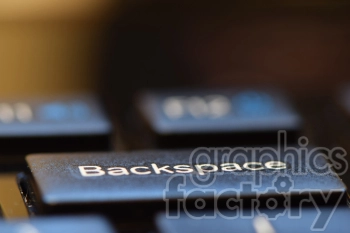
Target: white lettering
(201, 171)
(117, 171)
(158, 170)
(135, 170)
(254, 167)
(230, 167)
(183, 168)
(91, 171)
(275, 165)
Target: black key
(187, 118)
(137, 183)
(307, 220)
(71, 224)
(66, 123)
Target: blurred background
(117, 47)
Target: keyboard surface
(177, 160)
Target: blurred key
(135, 184)
(326, 220)
(65, 123)
(69, 224)
(186, 118)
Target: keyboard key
(137, 183)
(65, 123)
(308, 220)
(186, 118)
(71, 224)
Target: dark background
(119, 46)
(301, 46)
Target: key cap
(190, 118)
(66, 123)
(73, 224)
(134, 184)
(308, 220)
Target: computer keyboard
(186, 160)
